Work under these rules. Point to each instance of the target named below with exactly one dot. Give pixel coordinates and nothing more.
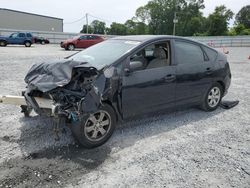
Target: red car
(82, 41)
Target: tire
(212, 99)
(90, 134)
(71, 47)
(27, 44)
(42, 42)
(3, 43)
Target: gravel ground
(188, 148)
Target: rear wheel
(96, 129)
(42, 42)
(213, 97)
(27, 44)
(3, 43)
(71, 47)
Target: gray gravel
(188, 148)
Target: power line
(76, 20)
(105, 20)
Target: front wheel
(71, 47)
(3, 43)
(27, 44)
(96, 129)
(212, 98)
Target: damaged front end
(74, 88)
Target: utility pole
(175, 21)
(87, 23)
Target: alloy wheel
(214, 97)
(97, 126)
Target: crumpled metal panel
(47, 76)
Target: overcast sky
(109, 10)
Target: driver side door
(148, 90)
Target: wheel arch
(117, 114)
(222, 84)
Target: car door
(193, 74)
(20, 38)
(13, 38)
(82, 42)
(92, 40)
(148, 90)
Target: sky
(108, 10)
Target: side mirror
(79, 39)
(135, 65)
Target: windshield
(105, 53)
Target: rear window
(21, 35)
(211, 54)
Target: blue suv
(20, 38)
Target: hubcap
(97, 125)
(214, 97)
(71, 47)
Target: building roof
(30, 13)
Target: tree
(117, 29)
(98, 27)
(218, 21)
(159, 15)
(243, 17)
(84, 29)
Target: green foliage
(96, 27)
(243, 17)
(157, 16)
(218, 21)
(117, 29)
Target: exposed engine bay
(70, 85)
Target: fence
(215, 41)
(225, 41)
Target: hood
(47, 76)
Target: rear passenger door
(20, 38)
(92, 40)
(194, 72)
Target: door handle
(209, 71)
(170, 78)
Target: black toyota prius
(126, 77)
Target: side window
(153, 56)
(188, 53)
(212, 54)
(29, 35)
(91, 37)
(22, 35)
(14, 35)
(83, 37)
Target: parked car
(125, 77)
(20, 38)
(41, 40)
(82, 41)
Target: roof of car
(145, 38)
